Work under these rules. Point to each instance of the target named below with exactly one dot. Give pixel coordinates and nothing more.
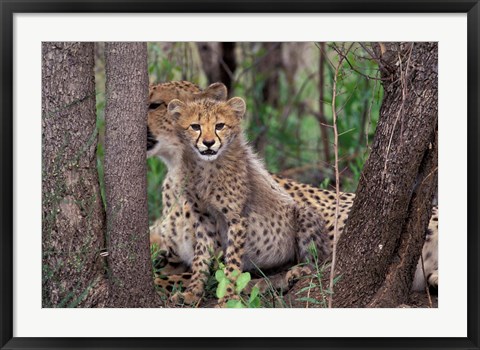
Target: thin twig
(337, 178)
(308, 293)
(369, 77)
(286, 111)
(257, 61)
(374, 57)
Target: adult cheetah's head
(208, 126)
(162, 140)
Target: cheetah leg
(174, 268)
(282, 281)
(168, 263)
(237, 234)
(203, 253)
(310, 229)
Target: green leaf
(253, 294)
(255, 303)
(219, 275)
(222, 288)
(242, 281)
(235, 304)
(310, 300)
(304, 289)
(336, 279)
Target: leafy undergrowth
(290, 300)
(307, 292)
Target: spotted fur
(171, 231)
(258, 223)
(324, 202)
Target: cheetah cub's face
(162, 140)
(208, 126)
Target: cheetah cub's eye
(219, 126)
(195, 127)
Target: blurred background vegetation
(288, 90)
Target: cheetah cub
(258, 223)
(170, 232)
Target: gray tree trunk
(382, 241)
(130, 267)
(72, 212)
(379, 248)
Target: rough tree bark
(72, 212)
(130, 268)
(379, 248)
(383, 239)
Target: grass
(249, 295)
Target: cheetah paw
(187, 298)
(296, 273)
(222, 303)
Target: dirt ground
(417, 300)
(420, 299)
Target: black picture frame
(11, 7)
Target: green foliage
(174, 61)
(241, 282)
(315, 281)
(156, 172)
(223, 282)
(286, 134)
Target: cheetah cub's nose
(208, 143)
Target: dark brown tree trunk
(228, 64)
(209, 53)
(268, 72)
(73, 217)
(130, 268)
(265, 75)
(218, 62)
(383, 239)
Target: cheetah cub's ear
(215, 91)
(175, 108)
(238, 106)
